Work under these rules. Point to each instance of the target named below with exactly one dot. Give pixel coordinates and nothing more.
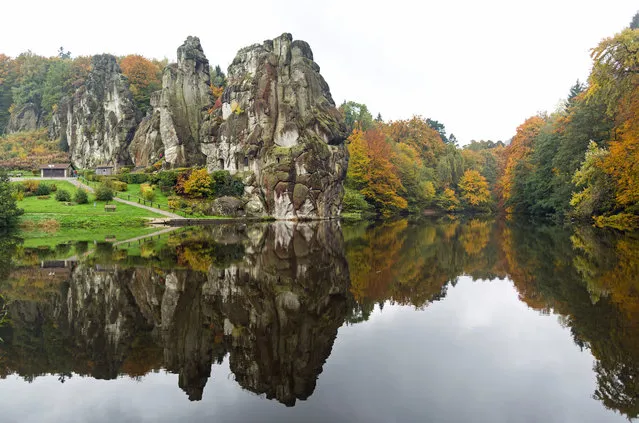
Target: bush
(103, 193)
(81, 196)
(62, 195)
(199, 184)
(166, 180)
(42, 189)
(43, 197)
(147, 192)
(30, 186)
(53, 187)
(354, 202)
(224, 184)
(134, 178)
(176, 202)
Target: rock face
(99, 121)
(276, 126)
(27, 118)
(180, 119)
(280, 129)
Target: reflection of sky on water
(479, 355)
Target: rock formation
(281, 130)
(277, 127)
(100, 119)
(26, 118)
(180, 119)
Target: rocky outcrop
(100, 119)
(276, 126)
(26, 118)
(280, 129)
(181, 118)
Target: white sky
(479, 67)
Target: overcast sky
(479, 67)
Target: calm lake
(436, 321)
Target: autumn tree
(144, 79)
(516, 156)
(474, 190)
(372, 172)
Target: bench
(109, 208)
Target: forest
(579, 162)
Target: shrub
(103, 193)
(354, 202)
(81, 196)
(225, 184)
(43, 197)
(181, 181)
(177, 202)
(43, 189)
(166, 180)
(134, 178)
(53, 187)
(18, 195)
(30, 186)
(62, 195)
(147, 192)
(198, 184)
(118, 186)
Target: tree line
(582, 161)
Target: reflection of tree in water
(272, 297)
(589, 277)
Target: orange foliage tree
(143, 76)
(373, 172)
(515, 155)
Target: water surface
(441, 321)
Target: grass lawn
(134, 190)
(49, 222)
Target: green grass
(49, 222)
(134, 190)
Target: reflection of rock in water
(282, 309)
(276, 308)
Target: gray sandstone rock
(26, 118)
(99, 120)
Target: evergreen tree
(9, 211)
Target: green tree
(356, 116)
(56, 84)
(596, 195)
(9, 211)
(634, 23)
(439, 127)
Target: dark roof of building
(104, 167)
(56, 166)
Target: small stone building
(104, 170)
(57, 170)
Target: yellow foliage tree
(474, 189)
